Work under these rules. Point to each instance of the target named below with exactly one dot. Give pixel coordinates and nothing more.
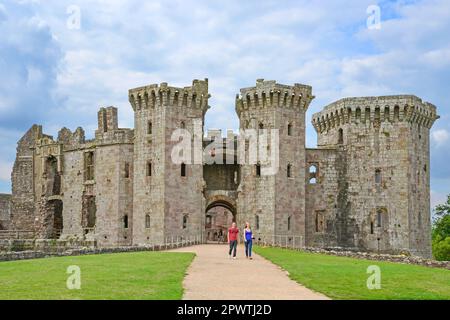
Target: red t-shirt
(232, 234)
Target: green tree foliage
(441, 232)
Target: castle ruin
(365, 187)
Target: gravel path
(213, 276)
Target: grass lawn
(346, 278)
(141, 275)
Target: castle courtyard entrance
(220, 213)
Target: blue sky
(55, 75)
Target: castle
(365, 187)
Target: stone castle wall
(366, 186)
(5, 211)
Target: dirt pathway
(213, 276)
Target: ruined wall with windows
(386, 147)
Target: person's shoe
(234, 258)
(251, 258)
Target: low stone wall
(61, 250)
(380, 257)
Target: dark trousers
(233, 247)
(248, 248)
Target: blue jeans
(248, 248)
(233, 247)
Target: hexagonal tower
(384, 201)
(274, 202)
(168, 199)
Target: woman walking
(248, 239)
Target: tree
(441, 232)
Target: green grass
(123, 276)
(346, 278)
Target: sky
(60, 61)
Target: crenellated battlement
(361, 110)
(270, 94)
(148, 97)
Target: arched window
(358, 115)
(289, 171)
(387, 116)
(183, 170)
(313, 181)
(313, 169)
(147, 221)
(125, 221)
(185, 221)
(289, 129)
(341, 136)
(396, 113)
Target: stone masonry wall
(377, 134)
(5, 211)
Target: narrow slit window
(183, 170)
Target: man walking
(233, 239)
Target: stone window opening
(149, 169)
(358, 115)
(341, 136)
(261, 126)
(419, 219)
(396, 113)
(289, 223)
(257, 222)
(379, 219)
(147, 221)
(185, 221)
(289, 129)
(313, 174)
(149, 128)
(258, 170)
(183, 169)
(127, 170)
(387, 113)
(89, 211)
(125, 222)
(372, 229)
(367, 115)
(89, 166)
(183, 125)
(378, 176)
(319, 222)
(289, 171)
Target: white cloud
(5, 171)
(440, 136)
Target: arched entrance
(220, 213)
